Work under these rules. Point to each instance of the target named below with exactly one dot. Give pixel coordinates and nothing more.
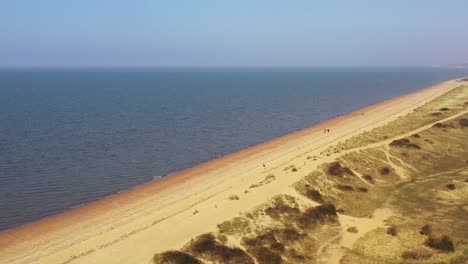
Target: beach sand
(132, 226)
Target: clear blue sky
(232, 33)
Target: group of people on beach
(326, 130)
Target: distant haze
(209, 33)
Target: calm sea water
(68, 137)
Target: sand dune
(132, 226)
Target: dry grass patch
(452, 100)
(408, 246)
(346, 192)
(370, 162)
(415, 255)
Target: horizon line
(34, 67)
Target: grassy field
(448, 104)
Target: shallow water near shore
(68, 137)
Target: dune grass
(453, 101)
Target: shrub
(440, 125)
(436, 114)
(385, 170)
(368, 178)
(442, 243)
(334, 169)
(392, 230)
(294, 169)
(444, 109)
(363, 189)
(463, 122)
(278, 246)
(415, 255)
(426, 230)
(314, 195)
(348, 171)
(416, 136)
(280, 209)
(233, 197)
(404, 142)
(400, 142)
(207, 247)
(295, 255)
(352, 229)
(288, 234)
(222, 238)
(264, 255)
(345, 187)
(317, 215)
(175, 257)
(451, 186)
(265, 247)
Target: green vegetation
(233, 197)
(269, 178)
(313, 194)
(338, 184)
(175, 257)
(408, 246)
(313, 216)
(238, 225)
(207, 247)
(442, 243)
(453, 101)
(392, 230)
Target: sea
(72, 136)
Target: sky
(216, 33)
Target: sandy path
(132, 226)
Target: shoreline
(159, 187)
(183, 170)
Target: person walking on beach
(328, 130)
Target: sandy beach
(132, 226)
